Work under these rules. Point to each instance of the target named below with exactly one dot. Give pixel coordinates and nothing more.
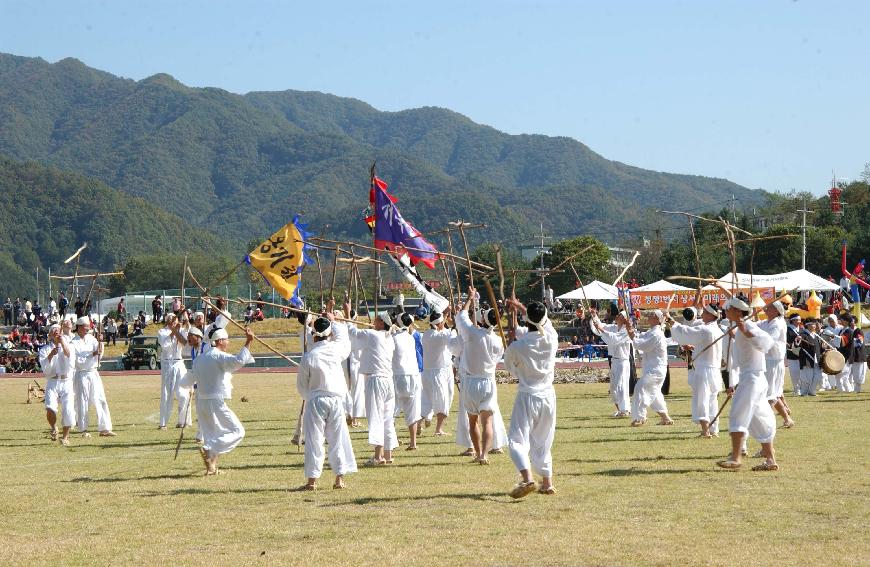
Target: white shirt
(436, 348)
(701, 336)
(776, 328)
(532, 358)
(212, 373)
(321, 371)
(48, 368)
(653, 347)
(377, 351)
(170, 347)
(481, 349)
(404, 354)
(83, 350)
(618, 342)
(748, 353)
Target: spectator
(261, 304)
(62, 304)
(249, 315)
(28, 309)
(138, 325)
(122, 310)
(142, 319)
(258, 315)
(176, 305)
(156, 309)
(111, 331)
(123, 330)
(7, 312)
(16, 310)
(52, 307)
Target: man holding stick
(172, 341)
(750, 412)
(88, 384)
(376, 365)
(620, 347)
(707, 377)
(212, 372)
(532, 360)
(321, 384)
(55, 359)
(406, 376)
(648, 391)
(437, 372)
(775, 326)
(481, 351)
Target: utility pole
(734, 208)
(542, 271)
(804, 212)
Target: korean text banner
(280, 259)
(659, 299)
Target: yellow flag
(279, 259)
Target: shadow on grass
(638, 472)
(183, 491)
(498, 497)
(86, 479)
(169, 443)
(842, 400)
(637, 460)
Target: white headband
(324, 333)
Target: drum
(833, 362)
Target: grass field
(649, 496)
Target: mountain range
(236, 167)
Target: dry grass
(649, 496)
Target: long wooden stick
(756, 239)
(559, 265)
(334, 272)
(725, 403)
(699, 217)
(630, 264)
(480, 267)
(447, 230)
(320, 273)
(256, 338)
(225, 276)
(467, 255)
(453, 261)
(500, 271)
(449, 284)
(495, 307)
(365, 299)
(183, 276)
(241, 301)
(183, 425)
(99, 275)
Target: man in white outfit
(406, 377)
(481, 351)
(88, 384)
(172, 342)
(531, 358)
(376, 365)
(55, 359)
(707, 361)
(774, 362)
(355, 401)
(437, 370)
(621, 350)
(321, 383)
(212, 372)
(652, 346)
(750, 412)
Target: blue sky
(771, 94)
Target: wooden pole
(334, 272)
(495, 308)
(183, 276)
(256, 338)
(320, 272)
(449, 285)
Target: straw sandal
(765, 466)
(550, 490)
(523, 489)
(729, 464)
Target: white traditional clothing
(88, 385)
(774, 362)
(355, 400)
(437, 372)
(321, 383)
(653, 347)
(463, 428)
(620, 348)
(59, 382)
(212, 372)
(481, 351)
(750, 413)
(376, 364)
(532, 360)
(406, 377)
(707, 360)
(171, 370)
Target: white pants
(408, 390)
(843, 380)
(794, 373)
(463, 430)
(827, 382)
(61, 392)
(811, 379)
(478, 394)
(380, 404)
(437, 391)
(355, 401)
(857, 373)
(648, 393)
(533, 426)
(750, 412)
(705, 402)
(88, 387)
(171, 372)
(324, 421)
(775, 374)
(619, 374)
(220, 428)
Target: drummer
(811, 348)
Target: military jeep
(143, 351)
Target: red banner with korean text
(659, 299)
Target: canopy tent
(592, 290)
(801, 280)
(662, 285)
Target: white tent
(592, 290)
(798, 279)
(662, 285)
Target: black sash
(632, 370)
